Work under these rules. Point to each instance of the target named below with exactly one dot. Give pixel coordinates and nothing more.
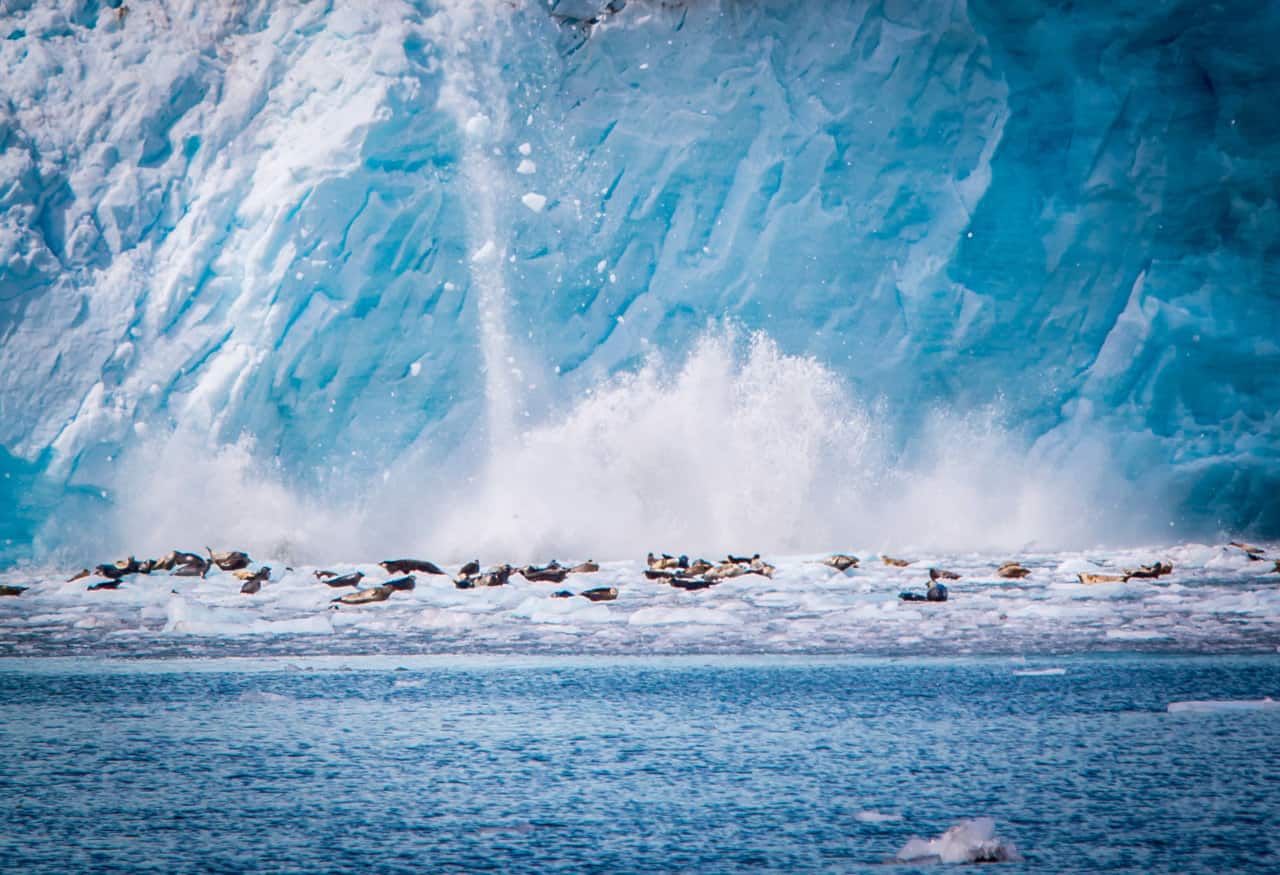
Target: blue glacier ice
(567, 276)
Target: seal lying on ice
(408, 566)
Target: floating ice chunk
(969, 841)
(415, 369)
(534, 201)
(485, 252)
(263, 697)
(526, 167)
(876, 817)
(1038, 672)
(525, 149)
(1207, 706)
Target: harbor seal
(409, 566)
(942, 574)
(79, 575)
(230, 560)
(105, 584)
(1255, 554)
(401, 584)
(841, 561)
(588, 567)
(1155, 569)
(495, 577)
(666, 562)
(1012, 571)
(896, 563)
(691, 583)
(8, 589)
(1091, 579)
(601, 594)
(352, 579)
(253, 580)
(562, 594)
(365, 596)
(553, 573)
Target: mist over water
(735, 447)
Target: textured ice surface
(1215, 601)
(369, 239)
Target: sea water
(693, 764)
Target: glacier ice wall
(360, 249)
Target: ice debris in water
(969, 841)
(1208, 706)
(534, 201)
(876, 817)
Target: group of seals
(470, 576)
(178, 563)
(680, 573)
(1142, 572)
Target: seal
(588, 567)
(1102, 578)
(253, 580)
(401, 584)
(553, 573)
(896, 563)
(352, 579)
(365, 596)
(1255, 554)
(562, 594)
(230, 560)
(942, 574)
(724, 571)
(698, 566)
(689, 583)
(408, 566)
(937, 593)
(8, 589)
(79, 575)
(600, 594)
(105, 584)
(1155, 569)
(666, 562)
(1012, 571)
(496, 577)
(841, 561)
(759, 566)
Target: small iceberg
(876, 817)
(1038, 672)
(1213, 706)
(969, 841)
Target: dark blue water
(630, 766)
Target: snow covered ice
(1216, 600)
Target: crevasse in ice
(368, 248)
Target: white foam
(1039, 672)
(969, 841)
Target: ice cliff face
(402, 244)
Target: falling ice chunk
(526, 167)
(485, 252)
(477, 126)
(534, 201)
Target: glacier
(321, 278)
